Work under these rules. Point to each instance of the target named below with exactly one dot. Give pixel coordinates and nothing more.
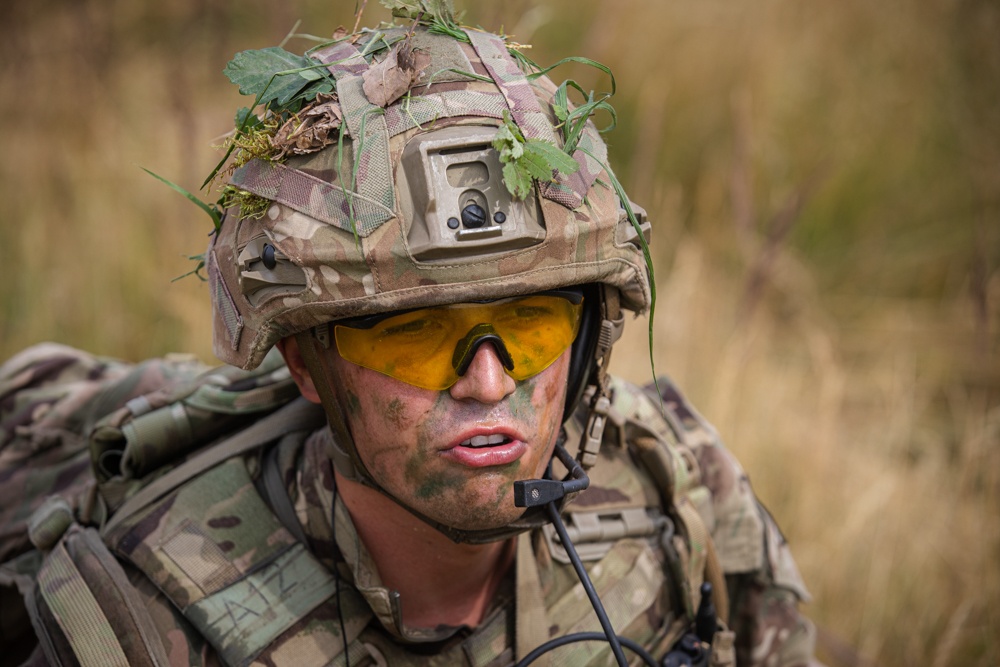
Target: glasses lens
(418, 347)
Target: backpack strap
(704, 562)
(85, 610)
(272, 488)
(75, 609)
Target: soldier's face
(453, 455)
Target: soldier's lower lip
(484, 457)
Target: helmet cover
(407, 202)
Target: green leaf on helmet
(527, 160)
(517, 180)
(310, 74)
(309, 93)
(553, 156)
(508, 133)
(272, 74)
(560, 103)
(403, 8)
(534, 165)
(246, 119)
(508, 144)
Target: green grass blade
(211, 211)
(196, 271)
(577, 59)
(577, 120)
(620, 191)
(526, 64)
(471, 75)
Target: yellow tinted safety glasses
(432, 347)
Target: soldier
(443, 259)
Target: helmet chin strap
(348, 463)
(612, 325)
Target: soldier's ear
(289, 348)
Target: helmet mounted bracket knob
(266, 271)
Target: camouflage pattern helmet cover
(382, 217)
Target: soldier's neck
(439, 582)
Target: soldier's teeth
(484, 440)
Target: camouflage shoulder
(765, 587)
(638, 412)
(708, 475)
(715, 482)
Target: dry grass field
(824, 184)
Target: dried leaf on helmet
(342, 34)
(316, 126)
(387, 81)
(440, 10)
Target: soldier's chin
(484, 520)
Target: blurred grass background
(824, 181)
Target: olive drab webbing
(99, 612)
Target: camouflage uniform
(632, 574)
(241, 552)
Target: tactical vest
(216, 533)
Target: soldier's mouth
(485, 440)
(485, 450)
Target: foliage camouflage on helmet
(330, 232)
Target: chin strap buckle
(322, 334)
(611, 331)
(597, 419)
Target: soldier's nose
(485, 379)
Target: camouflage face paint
(521, 406)
(395, 412)
(408, 438)
(353, 405)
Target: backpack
(80, 437)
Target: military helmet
(401, 199)
(408, 206)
